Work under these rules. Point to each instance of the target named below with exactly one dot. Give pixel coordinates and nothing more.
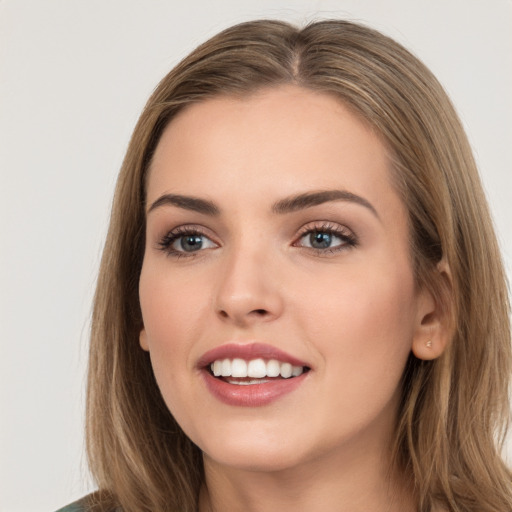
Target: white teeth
(297, 370)
(217, 368)
(246, 382)
(255, 369)
(273, 368)
(238, 368)
(226, 368)
(286, 370)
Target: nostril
(244, 315)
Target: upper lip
(247, 351)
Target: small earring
(429, 343)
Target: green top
(89, 502)
(77, 506)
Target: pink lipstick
(251, 375)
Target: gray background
(74, 75)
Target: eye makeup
(326, 238)
(318, 237)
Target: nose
(249, 291)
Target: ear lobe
(143, 340)
(434, 326)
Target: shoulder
(91, 503)
(77, 506)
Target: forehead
(281, 140)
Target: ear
(433, 324)
(143, 340)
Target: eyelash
(165, 244)
(347, 237)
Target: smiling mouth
(254, 371)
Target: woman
(301, 301)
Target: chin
(254, 459)
(262, 452)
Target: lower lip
(253, 395)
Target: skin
(353, 313)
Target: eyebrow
(309, 199)
(283, 206)
(187, 203)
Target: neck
(338, 483)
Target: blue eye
(327, 238)
(188, 243)
(320, 240)
(183, 242)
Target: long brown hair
(454, 409)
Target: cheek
(363, 324)
(172, 313)
(362, 329)
(171, 307)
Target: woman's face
(277, 245)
